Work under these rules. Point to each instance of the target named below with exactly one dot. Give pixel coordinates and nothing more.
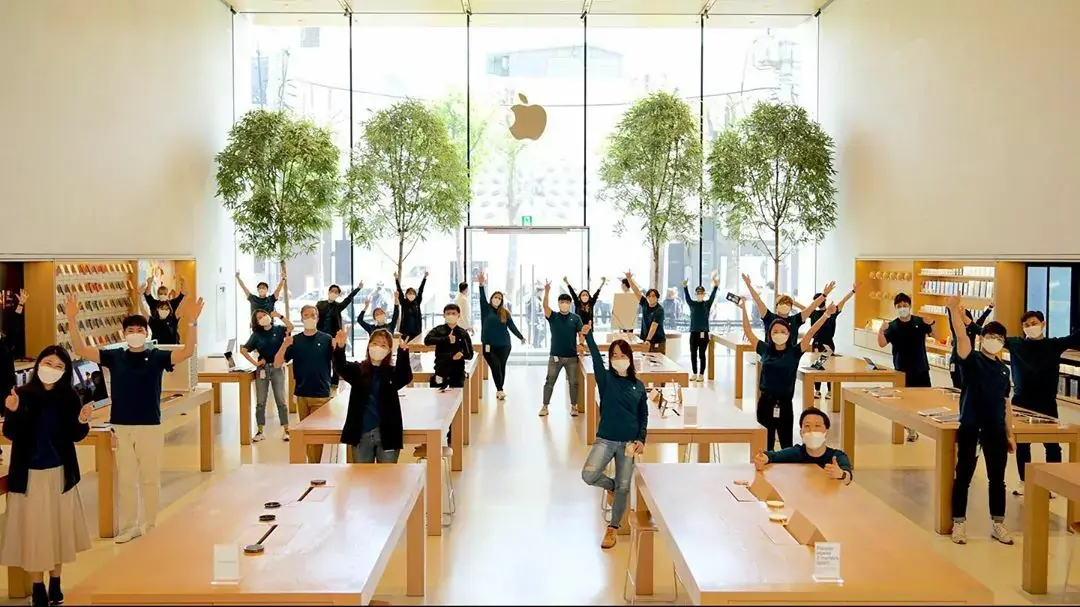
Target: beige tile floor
(527, 529)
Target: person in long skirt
(46, 525)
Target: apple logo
(529, 120)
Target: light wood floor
(527, 530)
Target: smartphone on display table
(735, 299)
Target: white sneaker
(817, 393)
(544, 411)
(999, 532)
(828, 395)
(573, 410)
(1019, 489)
(500, 395)
(259, 437)
(701, 377)
(959, 532)
(911, 435)
(285, 434)
(128, 535)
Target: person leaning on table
(986, 421)
(814, 428)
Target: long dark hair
(368, 365)
(624, 347)
(65, 383)
(504, 314)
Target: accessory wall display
(106, 295)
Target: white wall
(110, 114)
(956, 127)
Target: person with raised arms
(823, 341)
(496, 325)
(564, 326)
(412, 318)
(785, 309)
(379, 316)
(584, 301)
(652, 317)
(700, 307)
(262, 299)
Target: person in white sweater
(462, 301)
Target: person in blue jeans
(620, 434)
(652, 317)
(700, 307)
(373, 426)
(266, 339)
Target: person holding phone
(784, 309)
(266, 339)
(621, 430)
(700, 306)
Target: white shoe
(817, 393)
(1019, 489)
(544, 411)
(285, 434)
(128, 535)
(959, 532)
(999, 532)
(700, 377)
(573, 410)
(828, 395)
(500, 395)
(911, 435)
(259, 437)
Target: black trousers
(1023, 450)
(777, 425)
(699, 347)
(450, 382)
(995, 449)
(496, 357)
(819, 346)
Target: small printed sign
(827, 562)
(226, 564)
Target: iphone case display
(105, 296)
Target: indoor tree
(771, 180)
(279, 177)
(407, 179)
(652, 167)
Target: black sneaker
(38, 597)
(56, 595)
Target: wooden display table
(737, 343)
(904, 409)
(329, 545)
(840, 369)
(423, 373)
(604, 340)
(1041, 479)
(655, 369)
(426, 415)
(215, 371)
(727, 551)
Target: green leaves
(653, 166)
(406, 179)
(279, 177)
(771, 179)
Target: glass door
(517, 262)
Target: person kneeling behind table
(452, 348)
(986, 420)
(373, 426)
(814, 428)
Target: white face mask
(262, 293)
(48, 375)
(380, 320)
(564, 308)
(378, 353)
(265, 321)
(332, 297)
(309, 324)
(135, 340)
(410, 297)
(903, 312)
(451, 319)
(779, 338)
(992, 345)
(495, 303)
(163, 313)
(814, 440)
(620, 365)
(1034, 331)
(584, 298)
(783, 310)
(701, 297)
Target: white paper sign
(827, 562)
(226, 564)
(689, 413)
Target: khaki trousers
(305, 406)
(138, 473)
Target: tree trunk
(285, 290)
(400, 257)
(655, 270)
(776, 264)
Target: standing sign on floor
(827, 562)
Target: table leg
(757, 442)
(1036, 538)
(206, 436)
(897, 434)
(292, 389)
(738, 373)
(415, 547)
(216, 388)
(703, 453)
(1072, 513)
(944, 470)
(456, 438)
(847, 426)
(472, 391)
(466, 423)
(807, 391)
(433, 444)
(710, 359)
(105, 460)
(643, 577)
(834, 391)
(245, 410)
(19, 584)
(297, 447)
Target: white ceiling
(626, 7)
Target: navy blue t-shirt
(266, 341)
(908, 339)
(778, 367)
(986, 386)
(649, 316)
(310, 355)
(45, 455)
(262, 303)
(370, 420)
(136, 385)
(564, 330)
(794, 320)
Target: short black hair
(814, 411)
(134, 320)
(462, 287)
(451, 307)
(1032, 314)
(564, 297)
(994, 328)
(334, 288)
(699, 289)
(625, 283)
(901, 298)
(261, 285)
(821, 306)
(652, 292)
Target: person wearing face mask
(496, 325)
(700, 307)
(823, 341)
(379, 315)
(135, 412)
(974, 328)
(584, 301)
(373, 426)
(263, 300)
(907, 334)
(453, 347)
(986, 421)
(814, 429)
(1035, 360)
(564, 327)
(266, 339)
(621, 430)
(652, 317)
(779, 366)
(330, 310)
(784, 309)
(311, 352)
(164, 326)
(163, 295)
(412, 322)
(45, 523)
